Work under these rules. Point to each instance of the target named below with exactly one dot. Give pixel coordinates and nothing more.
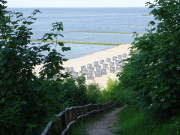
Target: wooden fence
(68, 118)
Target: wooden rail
(69, 117)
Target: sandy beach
(97, 56)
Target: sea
(97, 25)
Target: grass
(76, 42)
(132, 121)
(108, 32)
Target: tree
(152, 74)
(28, 101)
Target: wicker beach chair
(90, 77)
(114, 58)
(74, 74)
(112, 70)
(96, 63)
(108, 59)
(124, 55)
(105, 66)
(101, 61)
(119, 56)
(98, 74)
(103, 71)
(98, 68)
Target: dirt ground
(104, 125)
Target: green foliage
(108, 93)
(74, 92)
(27, 101)
(93, 93)
(153, 71)
(133, 121)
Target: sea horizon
(114, 25)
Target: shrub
(93, 93)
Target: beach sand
(97, 56)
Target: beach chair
(90, 77)
(117, 62)
(96, 63)
(98, 74)
(108, 59)
(89, 65)
(118, 67)
(105, 66)
(84, 71)
(119, 56)
(69, 69)
(91, 69)
(90, 73)
(98, 68)
(101, 61)
(114, 58)
(83, 67)
(74, 74)
(112, 70)
(111, 64)
(124, 55)
(103, 71)
(66, 69)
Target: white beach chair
(114, 58)
(124, 55)
(96, 63)
(85, 71)
(112, 70)
(119, 56)
(101, 61)
(98, 74)
(98, 68)
(103, 71)
(83, 67)
(105, 66)
(91, 69)
(118, 68)
(111, 64)
(75, 74)
(90, 77)
(108, 59)
(89, 65)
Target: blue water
(90, 19)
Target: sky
(77, 3)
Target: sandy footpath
(105, 125)
(97, 56)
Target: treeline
(27, 101)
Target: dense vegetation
(133, 122)
(28, 101)
(152, 75)
(150, 81)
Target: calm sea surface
(76, 20)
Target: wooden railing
(69, 117)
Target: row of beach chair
(99, 68)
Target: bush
(152, 73)
(108, 93)
(93, 93)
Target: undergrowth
(133, 121)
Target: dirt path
(104, 126)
